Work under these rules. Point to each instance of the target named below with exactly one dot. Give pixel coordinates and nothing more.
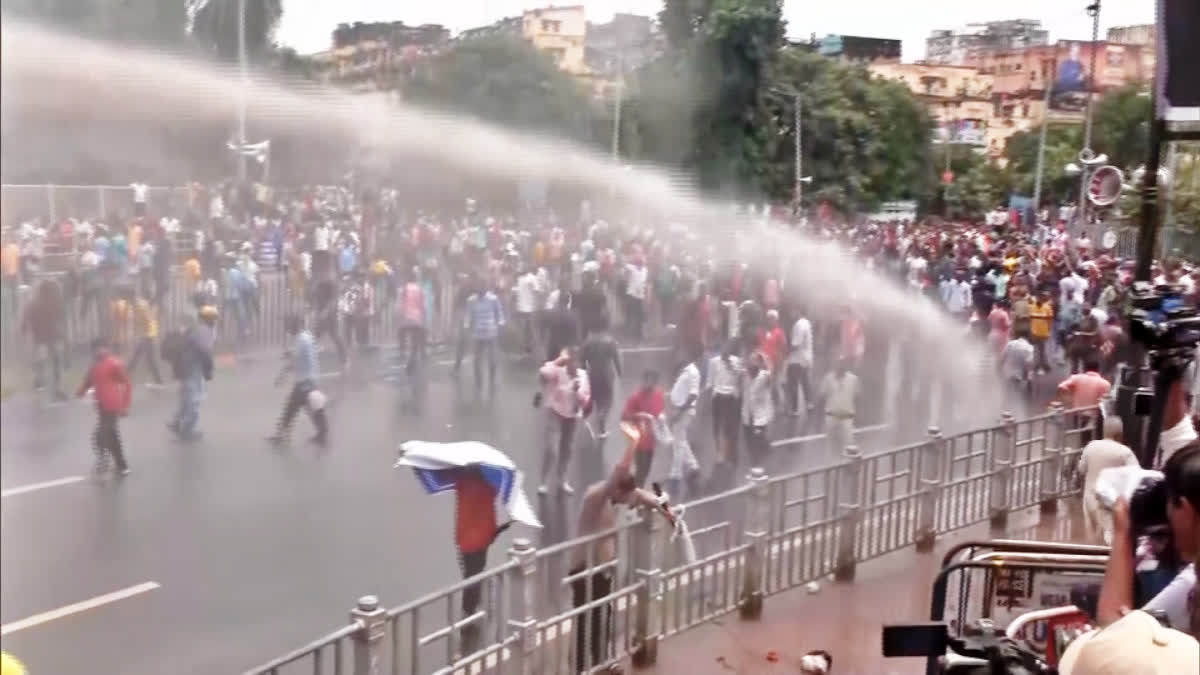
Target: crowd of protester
(743, 342)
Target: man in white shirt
(140, 193)
(839, 392)
(566, 391)
(636, 280)
(1098, 455)
(685, 393)
(527, 303)
(322, 260)
(799, 363)
(956, 293)
(1015, 364)
(725, 378)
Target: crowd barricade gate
(571, 606)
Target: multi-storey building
(377, 56)
(963, 46)
(856, 49)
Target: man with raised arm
(591, 578)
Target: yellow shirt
(134, 241)
(145, 319)
(10, 260)
(191, 269)
(1041, 316)
(120, 313)
(9, 665)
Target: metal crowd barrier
(536, 614)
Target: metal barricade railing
(574, 604)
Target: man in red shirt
(113, 394)
(642, 408)
(474, 531)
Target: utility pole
(1085, 174)
(245, 80)
(1047, 79)
(799, 192)
(616, 131)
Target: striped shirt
(485, 316)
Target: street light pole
(1047, 79)
(1093, 11)
(616, 131)
(799, 192)
(245, 77)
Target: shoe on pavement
(124, 472)
(567, 489)
(543, 490)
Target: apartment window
(557, 53)
(550, 26)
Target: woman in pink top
(1000, 324)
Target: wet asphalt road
(254, 551)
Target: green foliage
(1121, 126)
(506, 81)
(216, 27)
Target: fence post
(523, 657)
(368, 641)
(1004, 449)
(1053, 452)
(850, 505)
(757, 511)
(648, 556)
(50, 201)
(931, 488)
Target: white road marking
(62, 612)
(22, 489)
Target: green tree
(506, 81)
(870, 138)
(1121, 126)
(216, 27)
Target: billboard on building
(1178, 54)
(1071, 81)
(964, 132)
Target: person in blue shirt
(301, 364)
(485, 318)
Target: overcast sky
(307, 24)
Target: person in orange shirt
(134, 239)
(10, 270)
(475, 529)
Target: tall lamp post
(243, 72)
(1086, 154)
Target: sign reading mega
(1178, 56)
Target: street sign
(947, 176)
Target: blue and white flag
(434, 463)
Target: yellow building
(561, 32)
(962, 102)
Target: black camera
(982, 650)
(1165, 322)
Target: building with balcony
(366, 57)
(1022, 72)
(561, 32)
(857, 49)
(963, 46)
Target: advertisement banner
(1071, 82)
(1178, 54)
(1018, 591)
